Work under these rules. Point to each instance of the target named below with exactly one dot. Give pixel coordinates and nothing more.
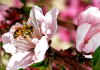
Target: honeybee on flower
(24, 31)
(29, 43)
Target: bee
(24, 31)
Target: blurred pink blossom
(32, 49)
(96, 3)
(0, 39)
(17, 3)
(88, 32)
(65, 35)
(3, 13)
(8, 15)
(73, 8)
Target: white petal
(41, 48)
(35, 40)
(9, 48)
(93, 44)
(39, 9)
(88, 56)
(6, 38)
(51, 21)
(19, 60)
(80, 36)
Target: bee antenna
(23, 22)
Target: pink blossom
(65, 35)
(88, 32)
(0, 39)
(3, 13)
(17, 3)
(73, 7)
(31, 50)
(96, 3)
(8, 15)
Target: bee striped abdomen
(16, 33)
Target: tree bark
(66, 60)
(67, 24)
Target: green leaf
(45, 64)
(2, 68)
(27, 10)
(62, 68)
(24, 2)
(1, 43)
(37, 64)
(89, 1)
(42, 68)
(21, 69)
(96, 59)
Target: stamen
(34, 35)
(31, 19)
(23, 21)
(39, 28)
(16, 39)
(27, 24)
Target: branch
(65, 60)
(67, 24)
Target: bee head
(31, 28)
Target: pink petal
(35, 40)
(9, 48)
(51, 21)
(91, 16)
(35, 16)
(20, 60)
(6, 38)
(0, 39)
(35, 13)
(93, 44)
(92, 31)
(41, 49)
(38, 9)
(4, 7)
(12, 29)
(80, 36)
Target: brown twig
(68, 25)
(66, 60)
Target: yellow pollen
(16, 49)
(19, 39)
(34, 35)
(39, 28)
(16, 39)
(28, 24)
(23, 21)
(31, 19)
(87, 41)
